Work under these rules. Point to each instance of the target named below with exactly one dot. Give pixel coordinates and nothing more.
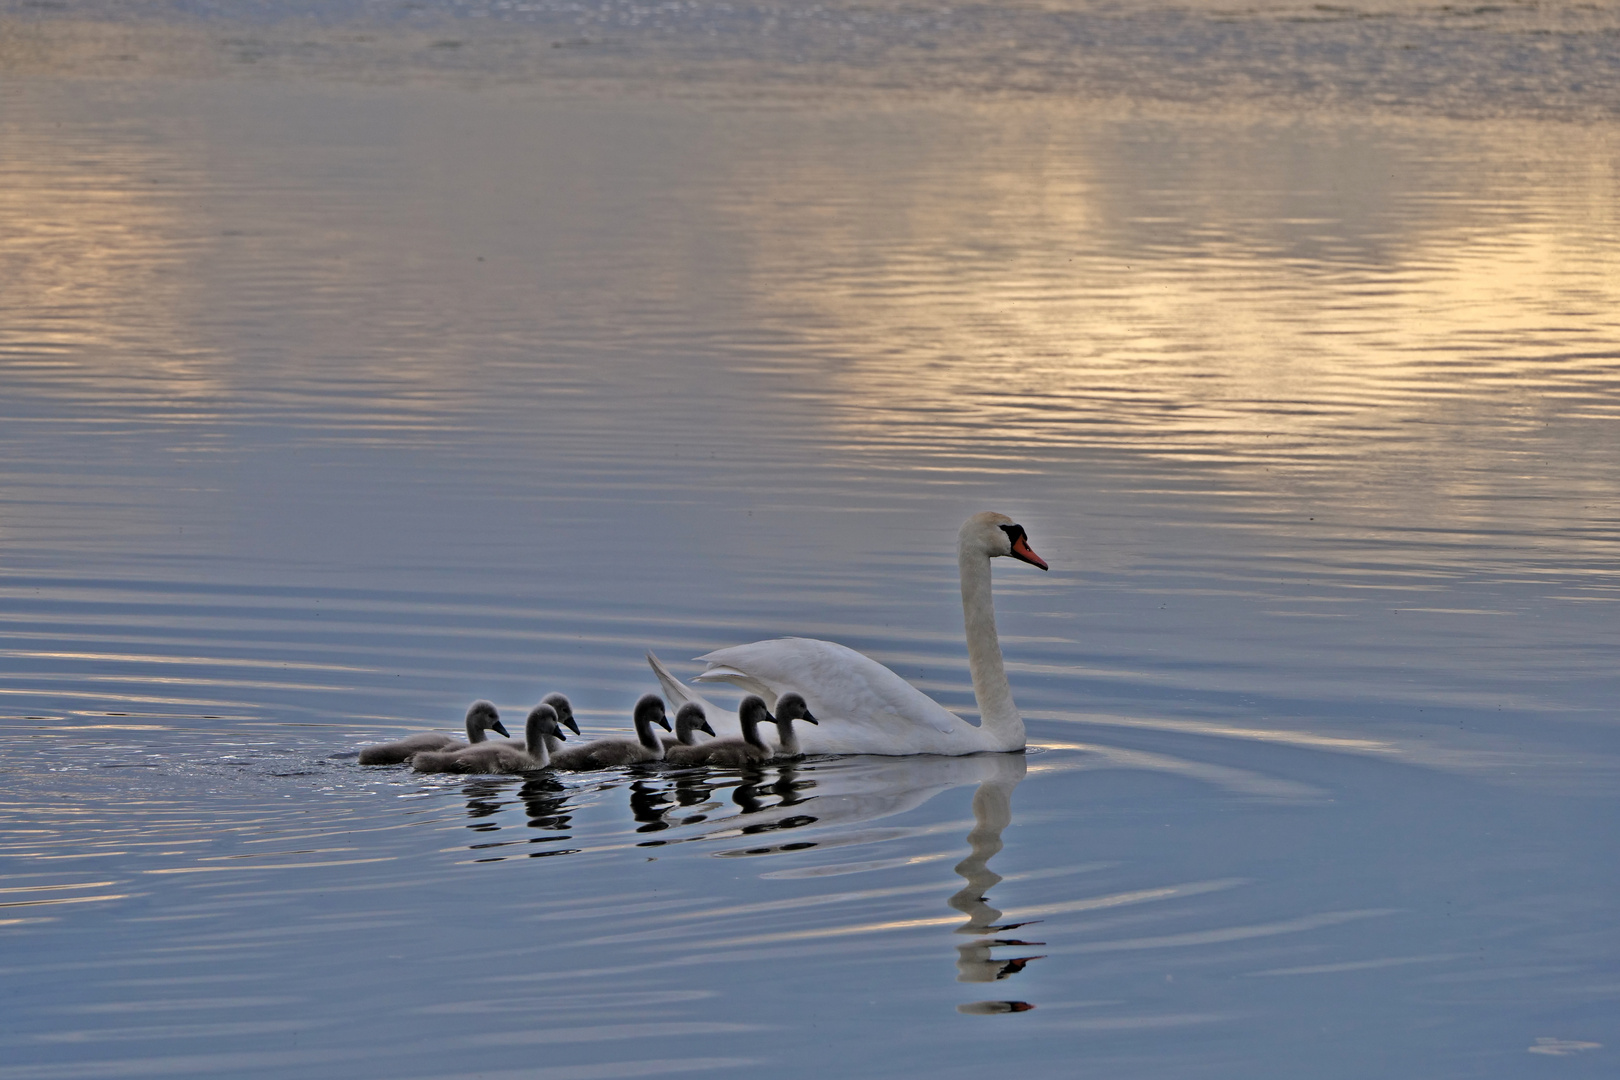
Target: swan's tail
(674, 689)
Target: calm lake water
(392, 373)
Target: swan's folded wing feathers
(717, 672)
(837, 682)
(742, 681)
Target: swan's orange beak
(1022, 551)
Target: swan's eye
(1014, 533)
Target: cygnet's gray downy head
(565, 716)
(564, 710)
(689, 720)
(790, 707)
(482, 717)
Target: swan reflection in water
(824, 804)
(992, 812)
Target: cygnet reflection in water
(546, 802)
(760, 792)
(669, 801)
(648, 803)
(481, 717)
(855, 790)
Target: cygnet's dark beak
(559, 736)
(807, 718)
(705, 728)
(572, 725)
(500, 727)
(664, 721)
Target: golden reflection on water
(1387, 314)
(96, 251)
(1013, 270)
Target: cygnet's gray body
(609, 752)
(731, 753)
(481, 717)
(541, 732)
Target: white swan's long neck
(999, 716)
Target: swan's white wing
(742, 681)
(838, 683)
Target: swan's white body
(862, 706)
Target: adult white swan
(863, 707)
